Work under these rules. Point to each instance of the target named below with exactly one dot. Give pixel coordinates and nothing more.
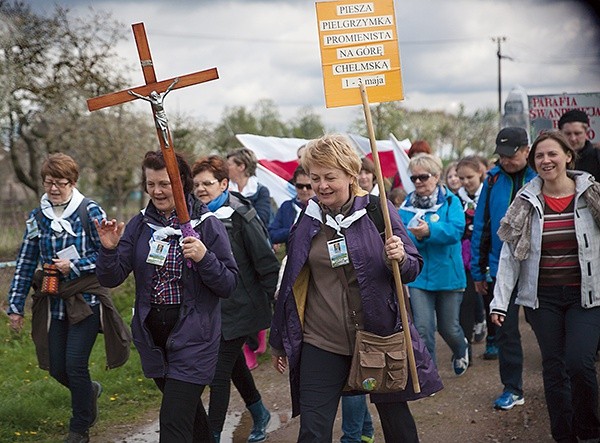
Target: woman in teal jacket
(435, 221)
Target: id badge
(32, 228)
(158, 252)
(338, 252)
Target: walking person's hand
(279, 363)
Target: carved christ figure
(160, 116)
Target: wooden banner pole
(388, 232)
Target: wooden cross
(154, 92)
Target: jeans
(356, 419)
(510, 351)
(182, 416)
(568, 337)
(69, 347)
(320, 392)
(231, 366)
(443, 306)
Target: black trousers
(231, 366)
(568, 337)
(183, 418)
(323, 375)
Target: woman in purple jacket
(338, 279)
(177, 319)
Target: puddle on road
(237, 427)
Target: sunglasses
(420, 177)
(306, 186)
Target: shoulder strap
(375, 213)
(84, 216)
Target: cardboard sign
(359, 42)
(545, 111)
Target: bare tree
(48, 67)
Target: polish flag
(277, 158)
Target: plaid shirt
(166, 282)
(42, 249)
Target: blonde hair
(333, 151)
(429, 162)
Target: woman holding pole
(339, 263)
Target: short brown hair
(156, 161)
(215, 164)
(559, 138)
(60, 165)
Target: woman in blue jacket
(436, 222)
(176, 324)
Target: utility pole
(499, 41)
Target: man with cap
(499, 189)
(574, 125)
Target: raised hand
(110, 232)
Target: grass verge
(35, 407)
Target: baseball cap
(574, 115)
(509, 140)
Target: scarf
(468, 202)
(216, 203)
(424, 202)
(515, 226)
(338, 222)
(60, 224)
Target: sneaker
(97, 392)
(461, 364)
(76, 437)
(479, 331)
(491, 349)
(365, 439)
(508, 400)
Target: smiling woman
(551, 235)
(338, 280)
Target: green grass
(35, 407)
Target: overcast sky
(269, 50)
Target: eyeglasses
(206, 183)
(420, 177)
(306, 186)
(60, 185)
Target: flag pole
(388, 233)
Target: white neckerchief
(60, 224)
(375, 190)
(162, 232)
(462, 193)
(338, 222)
(224, 212)
(298, 210)
(249, 190)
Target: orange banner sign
(359, 43)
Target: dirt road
(462, 412)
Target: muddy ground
(462, 412)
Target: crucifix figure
(160, 116)
(154, 92)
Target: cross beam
(154, 92)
